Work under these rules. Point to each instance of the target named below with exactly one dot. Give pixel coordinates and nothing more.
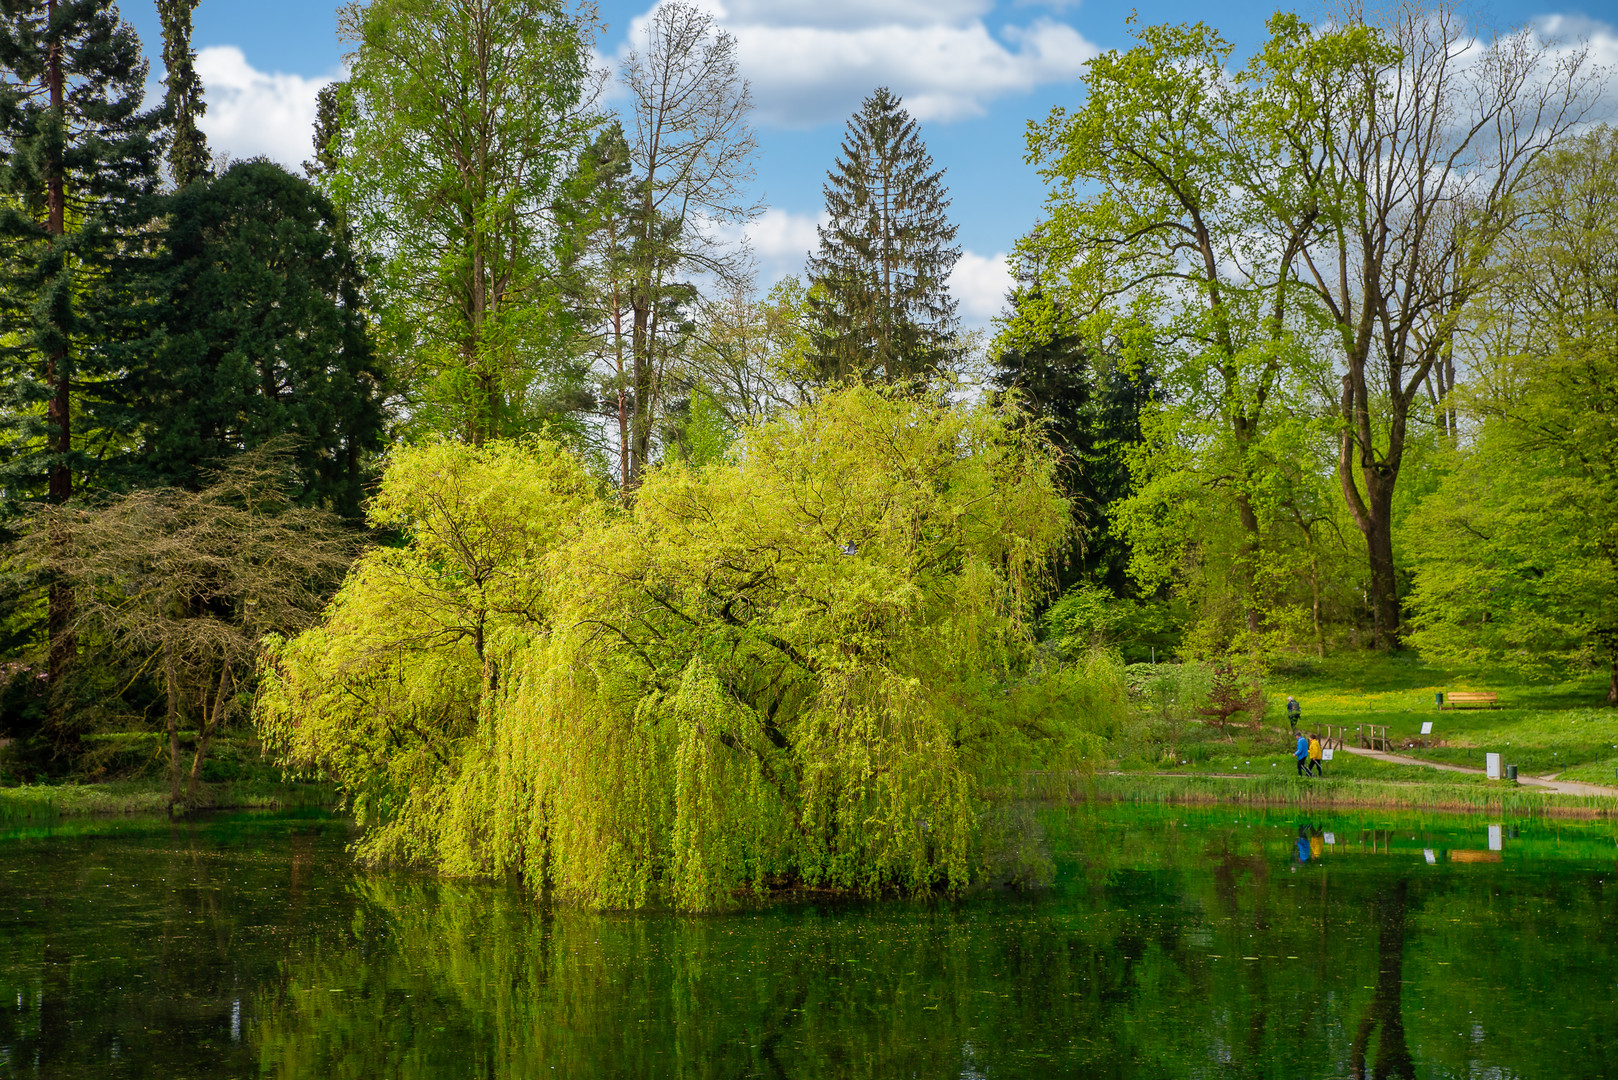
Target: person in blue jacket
(1301, 752)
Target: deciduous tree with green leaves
(1172, 222)
(1516, 553)
(808, 662)
(460, 119)
(1414, 135)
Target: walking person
(1294, 712)
(1314, 755)
(1301, 752)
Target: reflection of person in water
(1305, 848)
(1393, 1061)
(1317, 843)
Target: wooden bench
(1471, 699)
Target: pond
(1174, 943)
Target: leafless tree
(185, 584)
(692, 149)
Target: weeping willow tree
(806, 664)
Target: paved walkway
(1549, 783)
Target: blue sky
(974, 71)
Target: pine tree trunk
(59, 617)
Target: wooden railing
(1374, 736)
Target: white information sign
(1427, 727)
(1331, 838)
(1491, 766)
(1431, 856)
(1494, 838)
(1325, 755)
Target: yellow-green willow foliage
(806, 664)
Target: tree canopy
(806, 662)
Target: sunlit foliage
(808, 662)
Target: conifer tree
(261, 336)
(78, 160)
(182, 104)
(881, 306)
(1091, 408)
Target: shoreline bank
(127, 798)
(1351, 794)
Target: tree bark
(169, 681)
(1612, 685)
(59, 616)
(211, 719)
(642, 345)
(1373, 510)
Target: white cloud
(781, 241)
(979, 285)
(805, 75)
(1569, 33)
(812, 61)
(252, 112)
(849, 13)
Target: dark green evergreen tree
(78, 162)
(880, 301)
(328, 132)
(182, 104)
(1091, 406)
(262, 337)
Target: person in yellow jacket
(1314, 756)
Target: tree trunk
(170, 686)
(1250, 562)
(1314, 596)
(59, 616)
(1372, 511)
(1612, 685)
(618, 363)
(641, 346)
(1384, 580)
(210, 725)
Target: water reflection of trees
(1133, 966)
(1211, 955)
(1384, 1017)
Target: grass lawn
(127, 773)
(1544, 728)
(1541, 727)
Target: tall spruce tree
(182, 104)
(78, 161)
(880, 301)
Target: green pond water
(1174, 943)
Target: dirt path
(1566, 787)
